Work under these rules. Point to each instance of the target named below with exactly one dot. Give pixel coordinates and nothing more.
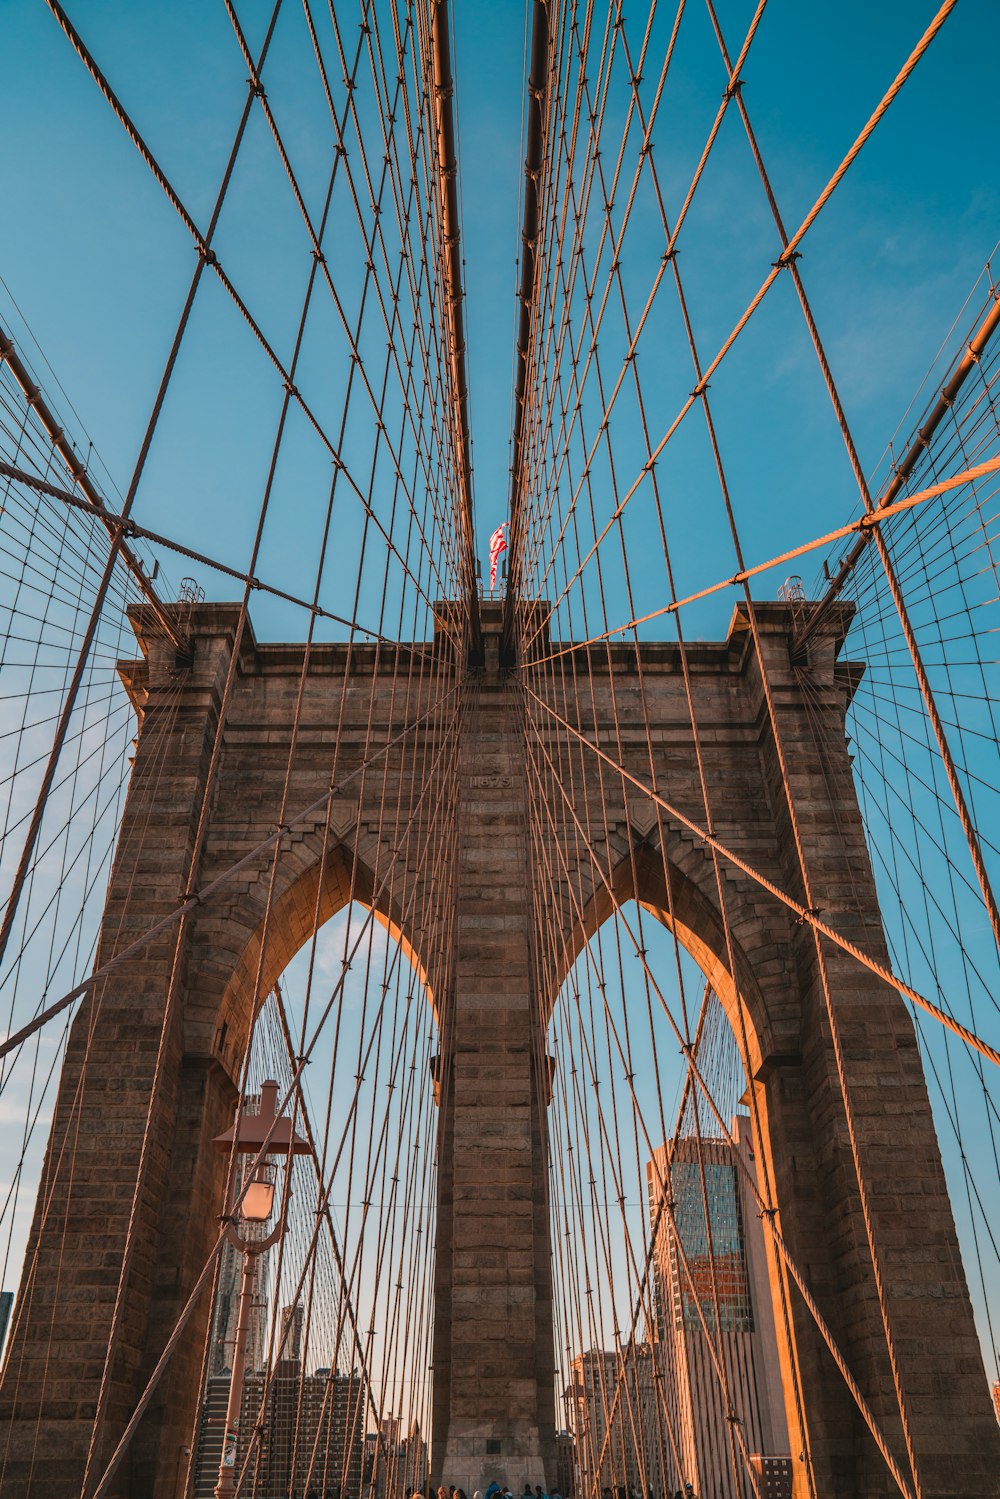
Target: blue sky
(98, 262)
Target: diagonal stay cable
(432, 358)
(881, 544)
(206, 893)
(289, 1095)
(315, 237)
(210, 258)
(807, 917)
(768, 1211)
(784, 260)
(560, 446)
(863, 525)
(118, 538)
(132, 528)
(79, 472)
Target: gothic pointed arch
(262, 935)
(674, 881)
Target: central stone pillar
(494, 1413)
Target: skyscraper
(226, 1312)
(715, 1336)
(306, 1429)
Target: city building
(416, 1466)
(289, 1346)
(395, 1464)
(565, 1464)
(714, 1330)
(310, 1427)
(227, 1306)
(614, 1439)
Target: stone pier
(494, 1403)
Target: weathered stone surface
(493, 1343)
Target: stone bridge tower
(493, 1347)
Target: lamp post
(249, 1134)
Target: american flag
(498, 544)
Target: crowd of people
(494, 1491)
(498, 1491)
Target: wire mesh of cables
(351, 517)
(334, 1339)
(633, 512)
(62, 619)
(936, 909)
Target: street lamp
(249, 1134)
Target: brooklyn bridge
(499, 958)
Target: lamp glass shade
(257, 1204)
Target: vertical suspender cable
(537, 88)
(447, 166)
